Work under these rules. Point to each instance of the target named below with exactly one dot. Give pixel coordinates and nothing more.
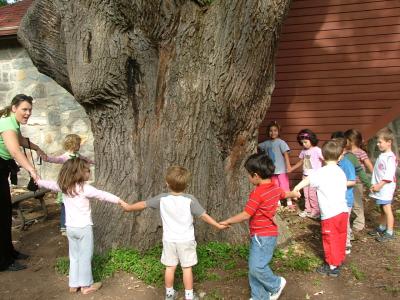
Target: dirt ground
(371, 271)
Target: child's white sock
(389, 231)
(332, 267)
(289, 202)
(169, 291)
(188, 294)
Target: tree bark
(163, 82)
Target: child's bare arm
(297, 165)
(293, 194)
(135, 206)
(367, 162)
(287, 162)
(305, 182)
(240, 217)
(351, 183)
(210, 220)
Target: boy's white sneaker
(278, 293)
(171, 296)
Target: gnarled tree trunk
(163, 82)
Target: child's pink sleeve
(87, 159)
(49, 184)
(91, 192)
(56, 159)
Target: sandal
(94, 287)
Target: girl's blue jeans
(263, 281)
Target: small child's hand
(123, 204)
(221, 226)
(375, 188)
(289, 169)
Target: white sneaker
(278, 293)
(348, 250)
(171, 296)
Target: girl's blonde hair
(71, 141)
(388, 135)
(17, 100)
(72, 175)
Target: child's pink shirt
(312, 159)
(77, 209)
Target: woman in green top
(10, 142)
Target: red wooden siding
(337, 67)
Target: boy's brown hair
(71, 141)
(72, 173)
(177, 178)
(331, 150)
(386, 134)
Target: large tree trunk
(163, 82)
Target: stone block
(5, 77)
(20, 75)
(4, 86)
(39, 91)
(54, 118)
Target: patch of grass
(214, 295)
(294, 258)
(394, 290)
(240, 273)
(357, 273)
(148, 267)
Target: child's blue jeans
(263, 281)
(80, 244)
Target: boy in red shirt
(261, 209)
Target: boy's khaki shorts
(183, 253)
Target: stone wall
(55, 111)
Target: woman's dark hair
(260, 164)
(307, 134)
(17, 100)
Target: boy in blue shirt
(349, 170)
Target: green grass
(213, 255)
(357, 273)
(294, 258)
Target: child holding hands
(72, 144)
(76, 194)
(331, 185)
(384, 185)
(261, 209)
(311, 159)
(179, 245)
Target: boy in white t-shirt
(384, 185)
(179, 245)
(331, 184)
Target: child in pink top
(278, 151)
(311, 159)
(72, 144)
(77, 194)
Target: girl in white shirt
(76, 195)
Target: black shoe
(15, 266)
(21, 256)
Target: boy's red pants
(334, 234)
